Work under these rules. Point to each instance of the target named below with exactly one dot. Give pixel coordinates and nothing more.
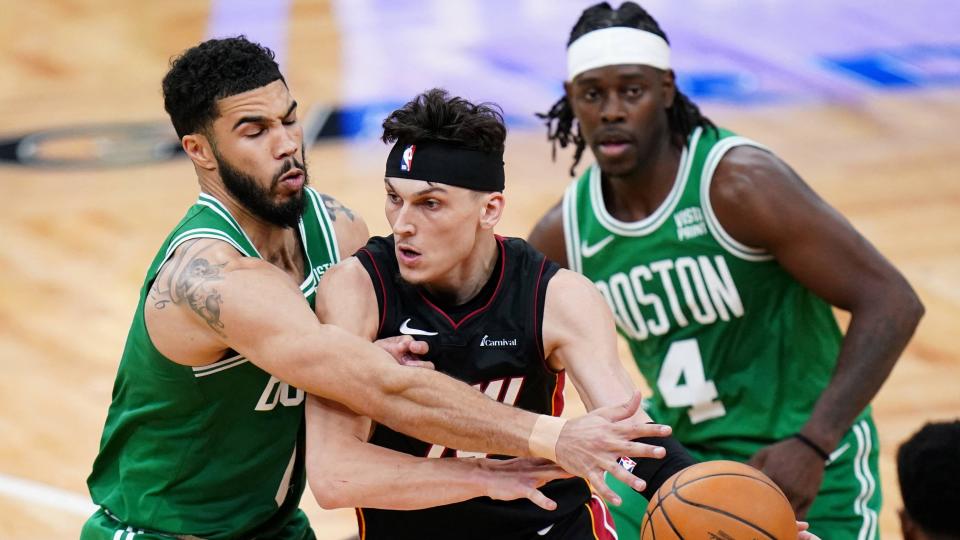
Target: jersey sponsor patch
(498, 342)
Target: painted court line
(36, 493)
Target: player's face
(622, 113)
(435, 227)
(258, 145)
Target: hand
(804, 534)
(406, 351)
(509, 479)
(590, 445)
(795, 468)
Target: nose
(287, 142)
(403, 226)
(611, 109)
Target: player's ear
(492, 209)
(669, 88)
(198, 148)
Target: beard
(259, 200)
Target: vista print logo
(485, 341)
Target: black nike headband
(446, 163)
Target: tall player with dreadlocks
(721, 266)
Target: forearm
(419, 402)
(435, 408)
(366, 475)
(874, 341)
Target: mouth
(293, 179)
(407, 255)
(612, 145)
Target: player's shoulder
(547, 235)
(746, 167)
(349, 226)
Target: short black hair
(211, 71)
(682, 117)
(928, 465)
(436, 116)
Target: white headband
(615, 46)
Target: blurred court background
(861, 98)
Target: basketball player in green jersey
(721, 266)
(204, 437)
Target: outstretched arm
(344, 470)
(762, 203)
(579, 335)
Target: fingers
(636, 429)
(409, 361)
(627, 477)
(418, 347)
(599, 484)
(802, 526)
(538, 498)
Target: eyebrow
(262, 119)
(590, 80)
(430, 189)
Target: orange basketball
(722, 500)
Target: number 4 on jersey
(683, 362)
(503, 390)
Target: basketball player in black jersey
(496, 314)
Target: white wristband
(544, 437)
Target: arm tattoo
(189, 281)
(333, 206)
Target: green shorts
(103, 526)
(847, 506)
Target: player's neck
(637, 194)
(465, 281)
(277, 244)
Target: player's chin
(414, 276)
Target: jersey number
(277, 390)
(683, 362)
(503, 390)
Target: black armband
(656, 471)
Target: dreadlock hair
(682, 117)
(435, 116)
(928, 465)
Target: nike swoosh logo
(404, 329)
(545, 530)
(590, 251)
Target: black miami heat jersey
(492, 342)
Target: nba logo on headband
(406, 161)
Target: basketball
(719, 499)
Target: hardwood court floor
(76, 242)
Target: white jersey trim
(729, 243)
(221, 209)
(219, 365)
(571, 227)
(652, 222)
(868, 484)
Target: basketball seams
(725, 513)
(677, 483)
(771, 484)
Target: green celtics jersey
(735, 350)
(214, 451)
